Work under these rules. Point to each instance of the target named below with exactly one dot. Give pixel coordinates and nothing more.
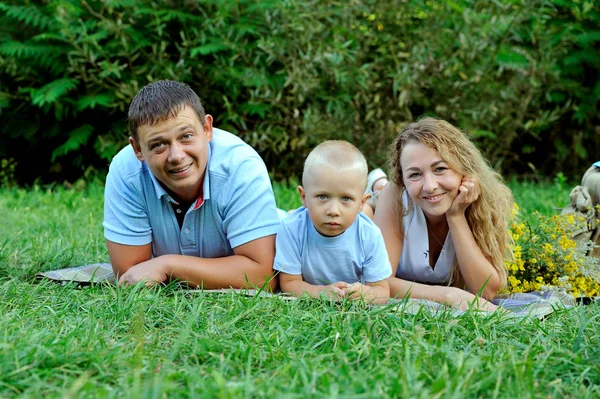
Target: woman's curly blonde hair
(489, 216)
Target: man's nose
(176, 153)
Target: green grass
(102, 341)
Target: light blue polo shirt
(238, 204)
(356, 255)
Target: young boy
(328, 246)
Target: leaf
(52, 91)
(91, 100)
(31, 16)
(455, 6)
(255, 109)
(511, 59)
(29, 50)
(587, 38)
(479, 133)
(77, 138)
(208, 49)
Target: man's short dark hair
(159, 101)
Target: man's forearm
(234, 271)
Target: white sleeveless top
(414, 262)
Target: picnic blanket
(535, 304)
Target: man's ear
(136, 149)
(302, 193)
(208, 127)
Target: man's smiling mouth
(182, 169)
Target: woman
(444, 217)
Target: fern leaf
(92, 100)
(52, 91)
(77, 138)
(31, 16)
(28, 50)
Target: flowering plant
(546, 257)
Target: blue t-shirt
(238, 204)
(356, 255)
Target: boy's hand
(335, 290)
(357, 291)
(468, 192)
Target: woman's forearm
(475, 268)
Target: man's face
(176, 151)
(333, 199)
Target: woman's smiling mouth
(434, 198)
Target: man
(187, 201)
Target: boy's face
(176, 152)
(333, 199)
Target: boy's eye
(322, 197)
(346, 199)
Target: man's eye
(188, 135)
(156, 145)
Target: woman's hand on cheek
(468, 192)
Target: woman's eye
(441, 169)
(414, 175)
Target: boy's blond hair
(339, 155)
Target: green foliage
(521, 76)
(7, 172)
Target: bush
(521, 77)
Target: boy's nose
(333, 209)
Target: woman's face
(429, 181)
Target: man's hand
(151, 271)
